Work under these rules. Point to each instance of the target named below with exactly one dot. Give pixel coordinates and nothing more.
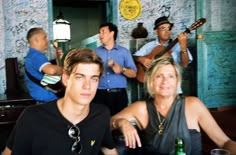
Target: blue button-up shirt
(120, 55)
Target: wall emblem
(130, 9)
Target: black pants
(114, 99)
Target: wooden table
(227, 121)
(11, 107)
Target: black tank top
(175, 125)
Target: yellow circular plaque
(130, 9)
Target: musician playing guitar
(37, 65)
(179, 51)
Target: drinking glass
(220, 152)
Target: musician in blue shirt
(119, 66)
(37, 65)
(179, 51)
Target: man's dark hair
(111, 27)
(81, 55)
(32, 32)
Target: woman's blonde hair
(155, 65)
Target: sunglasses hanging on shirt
(74, 133)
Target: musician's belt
(112, 90)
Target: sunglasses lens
(165, 28)
(74, 132)
(76, 147)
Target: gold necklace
(160, 126)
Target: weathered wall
(180, 12)
(17, 17)
(20, 15)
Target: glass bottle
(179, 146)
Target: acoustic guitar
(159, 50)
(53, 82)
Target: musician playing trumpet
(179, 51)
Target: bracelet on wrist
(183, 51)
(114, 125)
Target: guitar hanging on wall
(160, 50)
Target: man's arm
(51, 69)
(55, 69)
(184, 58)
(118, 69)
(128, 72)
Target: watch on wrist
(123, 69)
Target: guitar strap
(38, 82)
(33, 79)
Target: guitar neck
(171, 44)
(58, 60)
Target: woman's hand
(130, 133)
